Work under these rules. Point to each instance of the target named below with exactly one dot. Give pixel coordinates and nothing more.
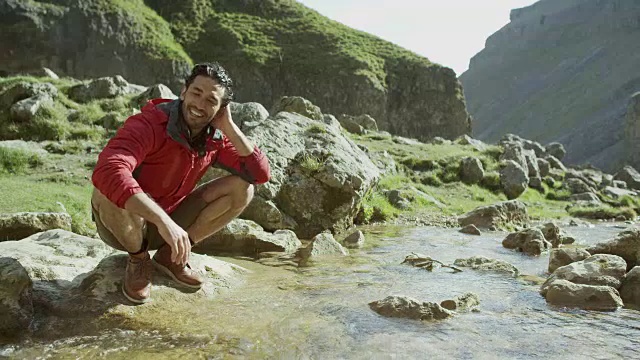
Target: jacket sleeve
(253, 168)
(113, 174)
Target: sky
(448, 32)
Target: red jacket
(151, 154)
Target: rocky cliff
(271, 47)
(560, 71)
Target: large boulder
(244, 237)
(158, 91)
(600, 269)
(17, 226)
(267, 214)
(544, 167)
(499, 215)
(590, 297)
(565, 256)
(515, 152)
(630, 288)
(248, 114)
(318, 175)
(528, 241)
(554, 163)
(471, 170)
(556, 150)
(25, 111)
(74, 275)
(616, 192)
(586, 198)
(16, 306)
(357, 124)
(406, 307)
(513, 179)
(577, 186)
(101, 88)
(630, 176)
(298, 105)
(626, 245)
(24, 90)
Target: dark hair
(216, 72)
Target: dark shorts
(184, 215)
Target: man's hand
(178, 240)
(223, 120)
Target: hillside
(560, 71)
(272, 49)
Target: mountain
(272, 48)
(560, 71)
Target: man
(144, 197)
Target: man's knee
(242, 193)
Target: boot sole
(168, 272)
(136, 301)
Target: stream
(321, 311)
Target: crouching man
(145, 196)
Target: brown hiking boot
(180, 273)
(137, 278)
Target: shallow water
(321, 312)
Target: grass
(27, 194)
(604, 212)
(316, 128)
(16, 161)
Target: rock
(556, 150)
(565, 256)
(607, 181)
(461, 303)
(73, 274)
(365, 122)
(554, 163)
(626, 245)
(576, 186)
(468, 140)
(317, 179)
(48, 73)
(248, 114)
(396, 199)
(600, 269)
(513, 178)
(590, 297)
(471, 170)
(24, 111)
(497, 215)
(528, 241)
(556, 174)
(16, 306)
(406, 307)
(630, 176)
(619, 184)
(532, 163)
(112, 121)
(354, 241)
(298, 105)
(25, 90)
(158, 91)
(267, 214)
(385, 162)
(515, 152)
(17, 226)
(244, 237)
(534, 146)
(616, 192)
(323, 244)
(551, 233)
(544, 167)
(482, 263)
(470, 229)
(331, 120)
(536, 183)
(440, 141)
(630, 288)
(351, 126)
(588, 197)
(101, 88)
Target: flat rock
(17, 226)
(589, 297)
(600, 269)
(482, 263)
(565, 256)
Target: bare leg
(226, 197)
(125, 226)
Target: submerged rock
(323, 244)
(354, 241)
(406, 307)
(461, 303)
(588, 297)
(485, 264)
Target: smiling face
(200, 102)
